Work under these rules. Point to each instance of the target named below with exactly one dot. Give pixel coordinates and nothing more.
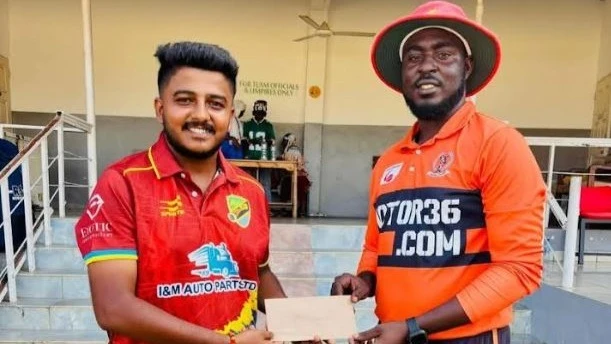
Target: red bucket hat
(484, 45)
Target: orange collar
(456, 122)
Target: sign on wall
(265, 88)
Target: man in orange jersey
(454, 234)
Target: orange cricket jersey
(460, 215)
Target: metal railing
(569, 220)
(15, 257)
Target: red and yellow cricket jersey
(460, 215)
(198, 254)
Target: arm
(269, 286)
(117, 309)
(513, 193)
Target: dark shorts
(496, 336)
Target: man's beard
(434, 112)
(186, 152)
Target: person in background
(232, 145)
(290, 151)
(8, 151)
(260, 141)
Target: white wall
(46, 56)
(4, 28)
(354, 93)
(604, 61)
(548, 76)
(125, 36)
(546, 80)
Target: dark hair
(173, 56)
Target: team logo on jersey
(172, 208)
(238, 210)
(214, 260)
(441, 165)
(95, 204)
(391, 173)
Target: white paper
(303, 318)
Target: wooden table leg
(294, 193)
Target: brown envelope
(302, 318)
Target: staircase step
(53, 336)
(74, 284)
(283, 236)
(63, 231)
(47, 314)
(318, 264)
(58, 257)
(306, 263)
(334, 237)
(55, 314)
(53, 284)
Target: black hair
(210, 57)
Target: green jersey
(257, 133)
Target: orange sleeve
(513, 195)
(369, 257)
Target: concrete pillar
(314, 105)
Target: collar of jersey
(259, 123)
(165, 165)
(452, 126)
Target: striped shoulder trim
(136, 169)
(144, 168)
(253, 181)
(97, 256)
(150, 156)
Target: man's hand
(253, 337)
(387, 333)
(356, 286)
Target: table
(290, 166)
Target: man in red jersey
(175, 239)
(455, 228)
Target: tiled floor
(592, 279)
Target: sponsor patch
(219, 273)
(95, 230)
(171, 208)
